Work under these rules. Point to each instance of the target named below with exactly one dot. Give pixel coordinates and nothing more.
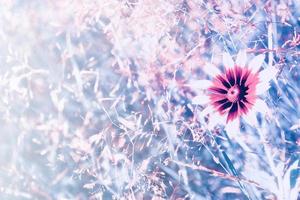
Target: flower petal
(250, 118)
(268, 74)
(200, 84)
(227, 60)
(241, 58)
(261, 88)
(233, 112)
(211, 70)
(234, 132)
(261, 106)
(233, 128)
(215, 119)
(256, 62)
(200, 100)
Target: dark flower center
(233, 93)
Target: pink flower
(236, 92)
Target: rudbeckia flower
(234, 92)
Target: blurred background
(95, 100)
